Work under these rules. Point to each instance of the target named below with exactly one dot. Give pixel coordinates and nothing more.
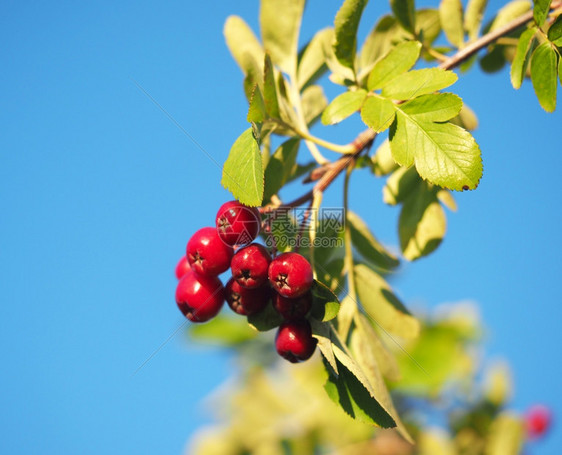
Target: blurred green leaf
(325, 304)
(509, 12)
(435, 107)
(312, 60)
(447, 199)
(382, 305)
(280, 25)
(507, 435)
(418, 82)
(451, 16)
(473, 17)
(280, 167)
(428, 25)
(266, 319)
(522, 56)
(367, 245)
(378, 113)
(342, 106)
(400, 59)
(379, 41)
(422, 223)
(223, 330)
(323, 334)
(540, 11)
(466, 119)
(555, 31)
(405, 12)
(243, 45)
(256, 110)
(494, 60)
(400, 185)
(543, 75)
(382, 160)
(313, 103)
(270, 90)
(242, 173)
(345, 25)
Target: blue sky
(100, 191)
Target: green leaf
(543, 75)
(451, 16)
(418, 82)
(280, 26)
(256, 110)
(560, 69)
(223, 330)
(269, 89)
(446, 198)
(378, 113)
(473, 17)
(312, 60)
(422, 224)
(313, 103)
(340, 74)
(343, 106)
(243, 44)
(266, 319)
(242, 173)
(466, 119)
(325, 304)
(494, 60)
(375, 349)
(363, 348)
(540, 11)
(405, 12)
(400, 185)
(280, 166)
(367, 245)
(379, 41)
(323, 334)
(507, 435)
(510, 12)
(522, 57)
(351, 395)
(399, 60)
(436, 107)
(443, 153)
(382, 306)
(346, 25)
(555, 31)
(382, 161)
(428, 25)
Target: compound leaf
(399, 60)
(378, 113)
(242, 173)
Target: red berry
(238, 224)
(207, 253)
(290, 275)
(199, 297)
(246, 301)
(293, 308)
(182, 267)
(537, 420)
(249, 265)
(294, 341)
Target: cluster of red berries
(257, 279)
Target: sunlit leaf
(243, 44)
(313, 103)
(555, 31)
(405, 12)
(266, 319)
(473, 17)
(378, 113)
(242, 173)
(256, 109)
(325, 304)
(522, 57)
(322, 333)
(280, 167)
(466, 119)
(543, 75)
(540, 11)
(399, 60)
(342, 106)
(269, 89)
(280, 31)
(418, 82)
(378, 42)
(223, 330)
(451, 15)
(435, 107)
(382, 161)
(382, 306)
(346, 25)
(400, 185)
(312, 61)
(506, 436)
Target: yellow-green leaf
(473, 17)
(405, 12)
(342, 106)
(312, 60)
(451, 16)
(243, 44)
(399, 60)
(378, 113)
(522, 56)
(543, 75)
(346, 24)
(418, 82)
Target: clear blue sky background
(99, 192)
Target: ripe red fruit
(199, 297)
(182, 267)
(237, 224)
(249, 265)
(246, 301)
(293, 308)
(207, 253)
(294, 341)
(290, 275)
(537, 420)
